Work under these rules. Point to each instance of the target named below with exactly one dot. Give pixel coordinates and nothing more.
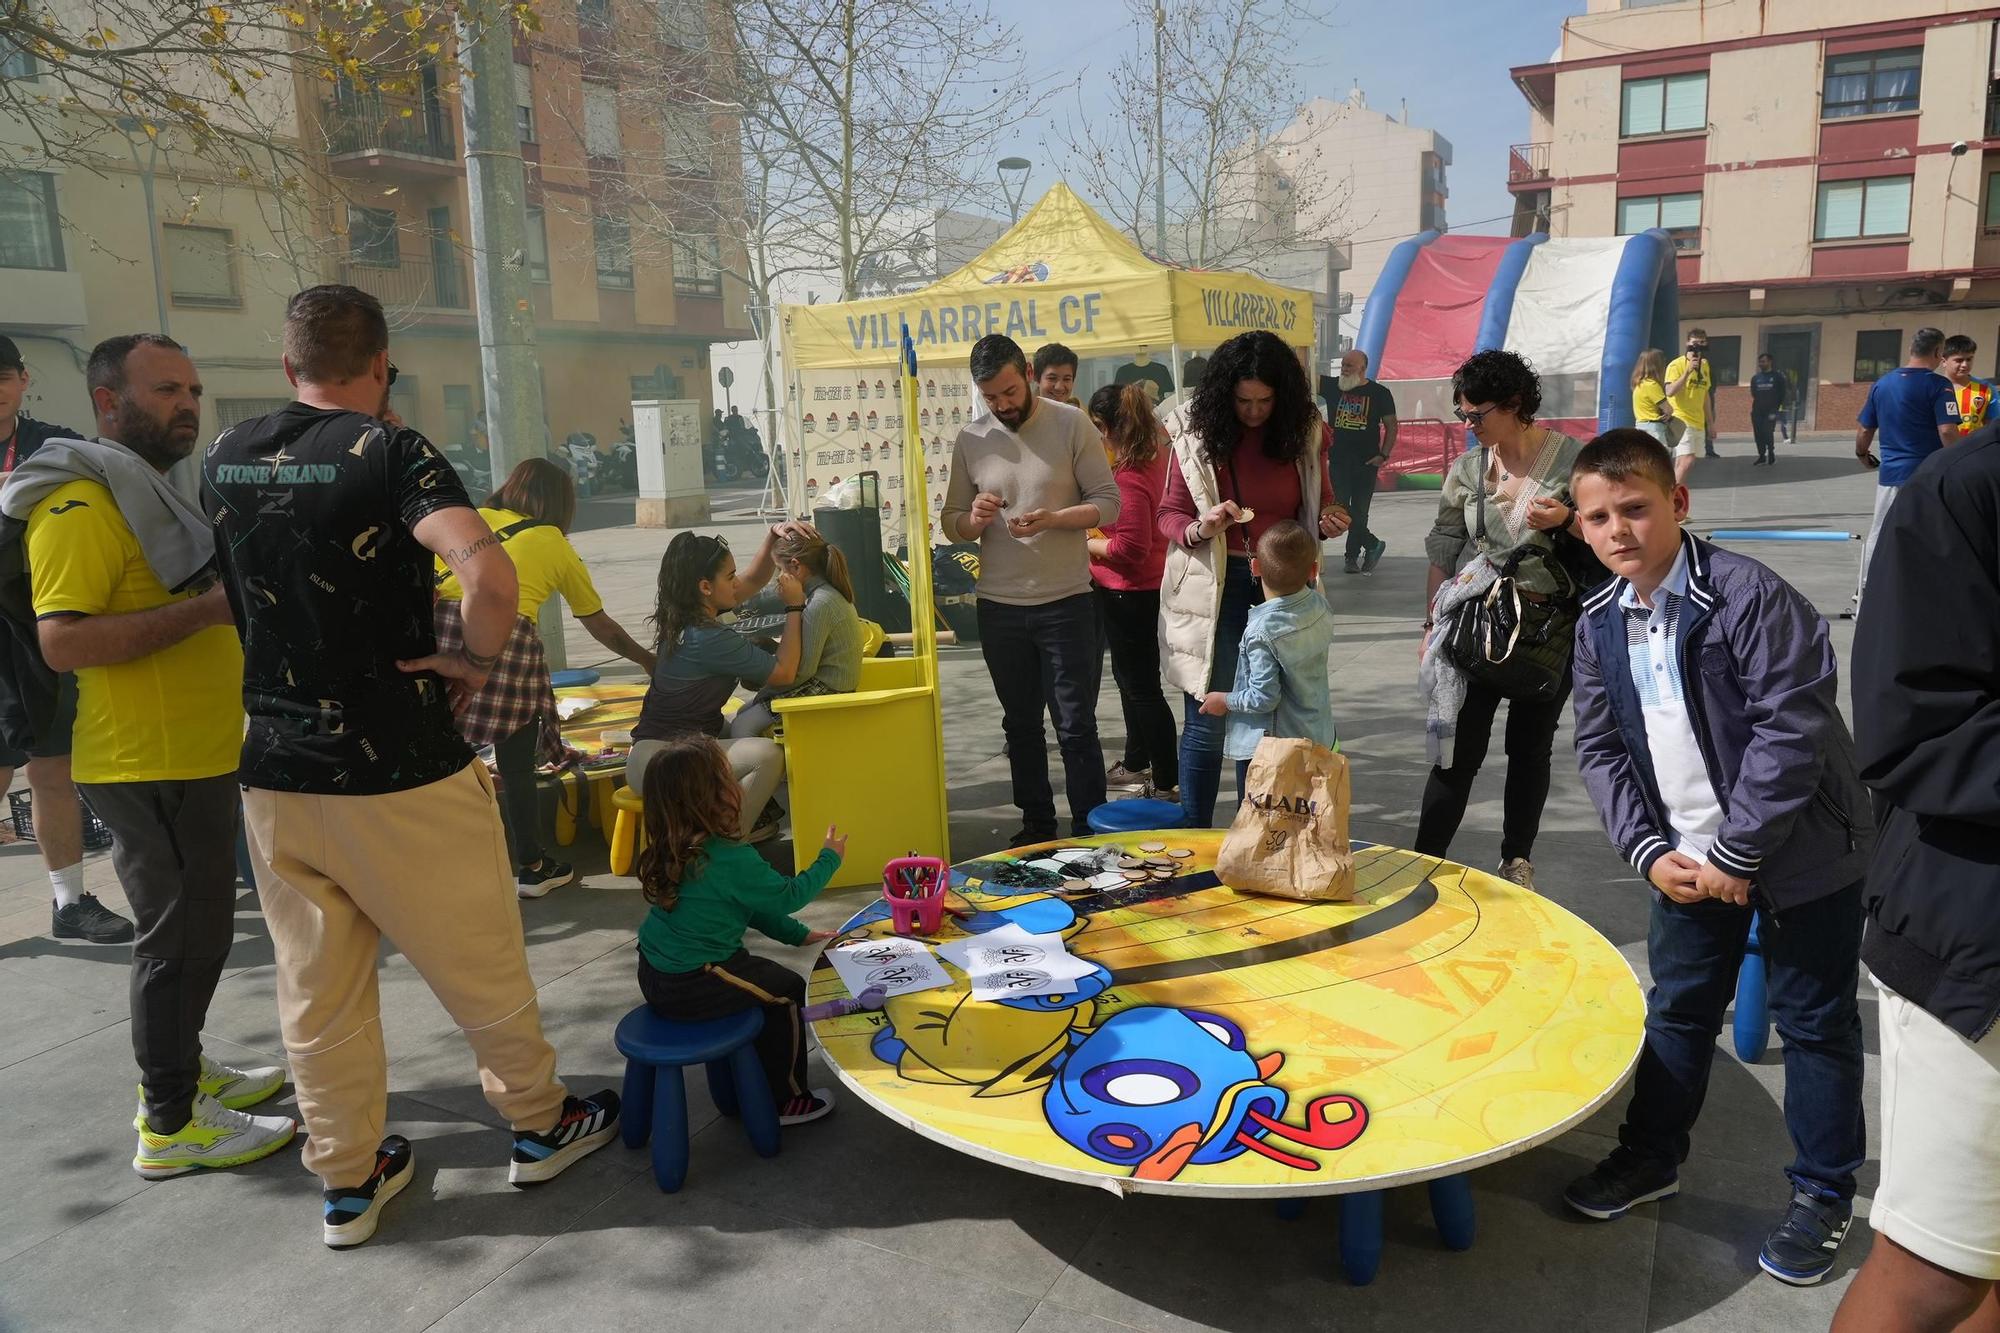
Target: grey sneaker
(1121, 778)
(1519, 870)
(89, 920)
(1352, 565)
(1374, 556)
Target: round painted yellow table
(1229, 1045)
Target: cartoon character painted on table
(1150, 1088)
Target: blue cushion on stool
(1136, 816)
(644, 1036)
(563, 680)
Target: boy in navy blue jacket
(1709, 734)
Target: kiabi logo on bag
(1302, 806)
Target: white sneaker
(1519, 870)
(237, 1089)
(214, 1137)
(240, 1088)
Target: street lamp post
(1018, 168)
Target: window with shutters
(698, 265)
(685, 138)
(538, 246)
(524, 102)
(201, 267)
(30, 232)
(1678, 214)
(600, 122)
(1872, 83)
(1673, 104)
(371, 236)
(613, 237)
(1863, 209)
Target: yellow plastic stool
(628, 831)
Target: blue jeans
(1201, 735)
(1812, 957)
(1048, 657)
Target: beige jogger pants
(429, 869)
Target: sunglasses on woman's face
(1473, 416)
(392, 373)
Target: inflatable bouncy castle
(1580, 310)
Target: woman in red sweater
(1125, 567)
(1249, 453)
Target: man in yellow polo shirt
(132, 606)
(1691, 389)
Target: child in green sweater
(706, 888)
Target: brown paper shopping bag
(1290, 835)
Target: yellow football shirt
(1691, 403)
(544, 562)
(1649, 400)
(173, 715)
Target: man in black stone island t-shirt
(366, 813)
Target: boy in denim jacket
(1709, 734)
(1281, 687)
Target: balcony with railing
(1527, 165)
(369, 131)
(411, 283)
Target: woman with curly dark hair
(1504, 504)
(1251, 452)
(701, 662)
(707, 888)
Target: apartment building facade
(1826, 167)
(1370, 177)
(382, 204)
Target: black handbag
(1516, 643)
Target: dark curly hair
(690, 558)
(1504, 379)
(1263, 357)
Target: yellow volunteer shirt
(1649, 400)
(544, 562)
(174, 715)
(1691, 403)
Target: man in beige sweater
(1027, 483)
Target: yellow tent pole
(923, 606)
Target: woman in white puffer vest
(1249, 449)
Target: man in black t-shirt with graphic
(1364, 434)
(367, 814)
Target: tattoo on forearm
(458, 555)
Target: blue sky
(1448, 58)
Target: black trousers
(1764, 426)
(1531, 732)
(521, 799)
(731, 986)
(1132, 634)
(1048, 656)
(1354, 481)
(174, 848)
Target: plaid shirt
(517, 692)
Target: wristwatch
(795, 610)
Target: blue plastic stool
(1753, 1017)
(1452, 1211)
(657, 1049)
(1136, 816)
(563, 680)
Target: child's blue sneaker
(1802, 1249)
(587, 1124)
(349, 1215)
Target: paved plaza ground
(860, 1225)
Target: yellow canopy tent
(1062, 274)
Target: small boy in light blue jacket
(1281, 686)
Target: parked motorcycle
(580, 459)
